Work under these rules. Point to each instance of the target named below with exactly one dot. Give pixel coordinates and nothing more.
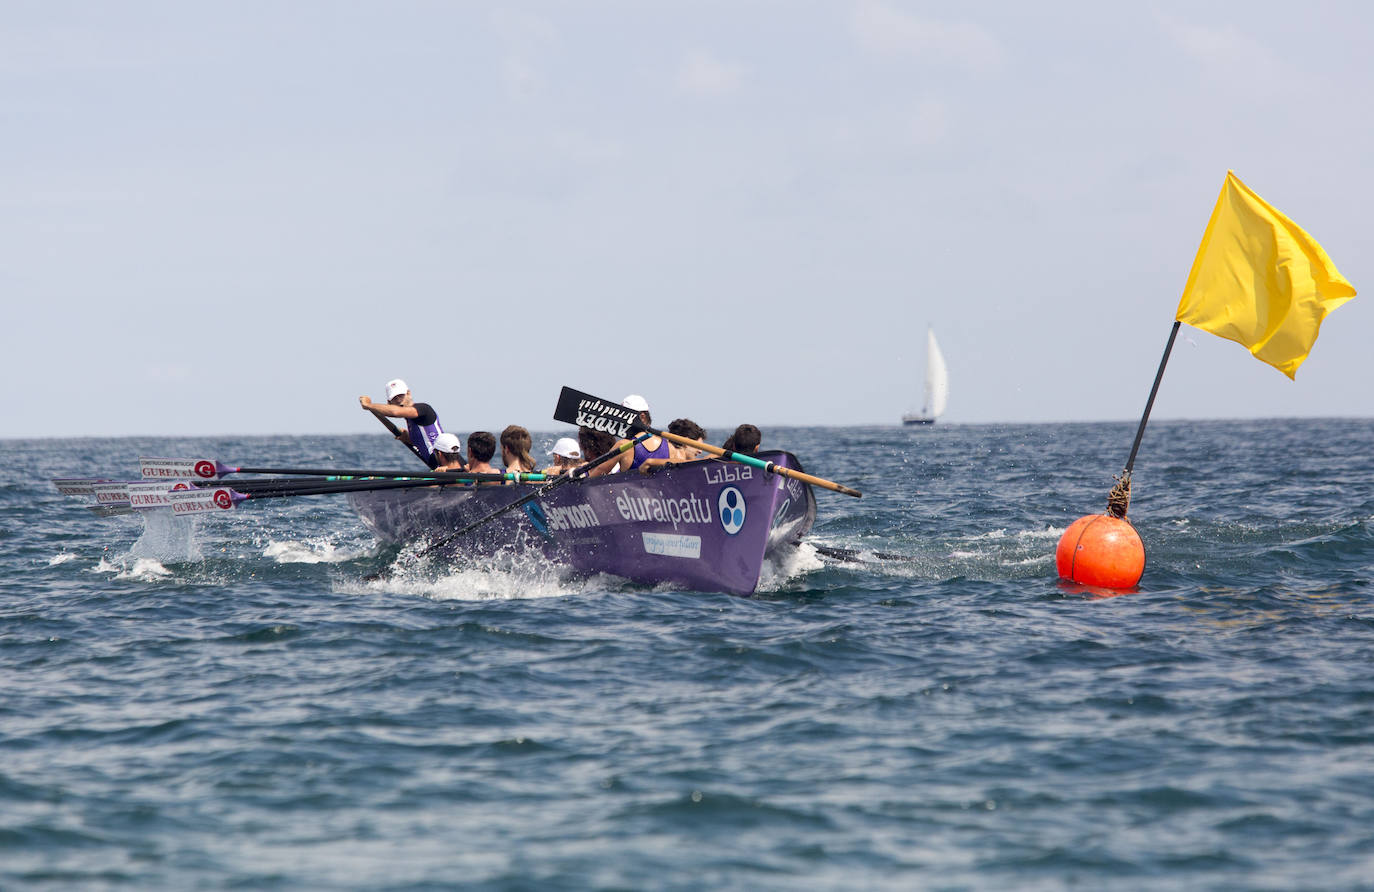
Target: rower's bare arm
(388, 410)
(601, 470)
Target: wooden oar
(583, 409)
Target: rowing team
(443, 451)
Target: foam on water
(786, 565)
(317, 550)
(510, 575)
(142, 569)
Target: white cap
(636, 402)
(394, 388)
(447, 442)
(566, 447)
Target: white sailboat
(937, 385)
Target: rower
(686, 427)
(677, 452)
(422, 424)
(593, 443)
(566, 456)
(745, 440)
(481, 447)
(515, 450)
(448, 450)
(650, 447)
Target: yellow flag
(1260, 281)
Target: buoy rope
(1119, 499)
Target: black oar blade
(585, 410)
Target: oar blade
(197, 468)
(110, 493)
(201, 501)
(77, 486)
(585, 410)
(157, 493)
(138, 495)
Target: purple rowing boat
(707, 525)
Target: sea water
(268, 699)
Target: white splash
(1046, 533)
(143, 569)
(786, 564)
(311, 551)
(61, 559)
(507, 576)
(1032, 561)
(167, 538)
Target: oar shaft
(396, 432)
(347, 486)
(399, 475)
(768, 466)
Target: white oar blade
(200, 501)
(110, 493)
(77, 486)
(164, 468)
(157, 493)
(109, 510)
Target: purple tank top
(423, 435)
(642, 454)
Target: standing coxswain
(422, 424)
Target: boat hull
(706, 525)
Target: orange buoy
(1101, 550)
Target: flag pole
(1120, 498)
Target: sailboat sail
(937, 378)
(937, 385)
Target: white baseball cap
(566, 447)
(447, 442)
(395, 387)
(636, 402)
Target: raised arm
(387, 409)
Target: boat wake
(993, 555)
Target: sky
(236, 218)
